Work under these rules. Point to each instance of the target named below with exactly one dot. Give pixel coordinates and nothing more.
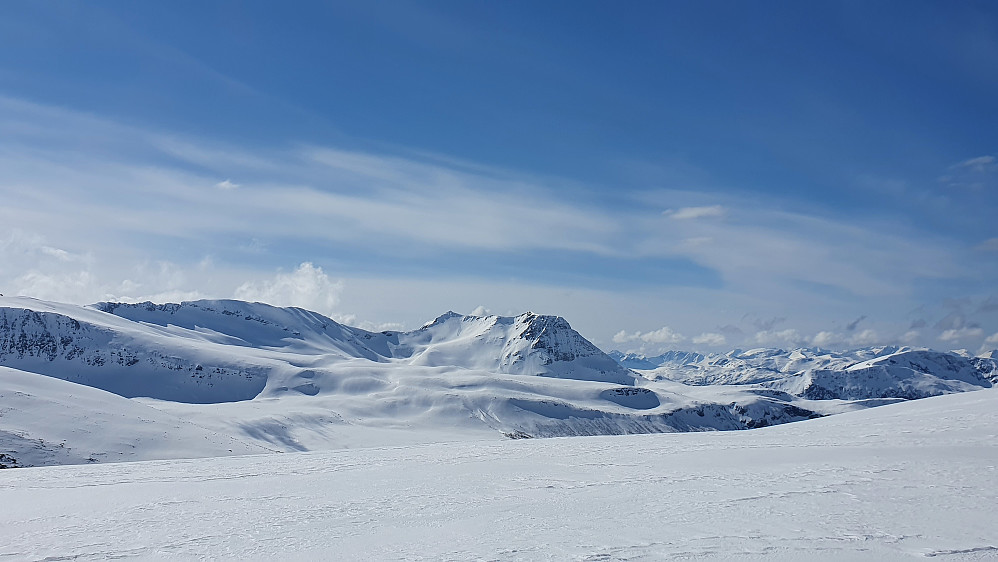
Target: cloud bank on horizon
(843, 223)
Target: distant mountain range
(117, 381)
(637, 361)
(819, 374)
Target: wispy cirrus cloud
(989, 245)
(976, 173)
(979, 164)
(689, 213)
(101, 203)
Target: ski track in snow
(899, 482)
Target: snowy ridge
(905, 374)
(127, 358)
(528, 344)
(255, 325)
(817, 374)
(638, 361)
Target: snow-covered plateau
(904, 481)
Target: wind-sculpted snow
(903, 482)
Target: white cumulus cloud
(864, 338)
(990, 343)
(307, 287)
(910, 337)
(826, 339)
(661, 335)
(710, 338)
(789, 336)
(958, 334)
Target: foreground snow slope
(46, 421)
(900, 482)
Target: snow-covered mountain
(221, 351)
(528, 344)
(638, 361)
(235, 377)
(288, 379)
(987, 364)
(868, 373)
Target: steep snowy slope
(987, 365)
(901, 482)
(90, 347)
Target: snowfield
(903, 481)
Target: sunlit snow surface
(909, 480)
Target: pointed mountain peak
(442, 318)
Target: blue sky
(701, 175)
